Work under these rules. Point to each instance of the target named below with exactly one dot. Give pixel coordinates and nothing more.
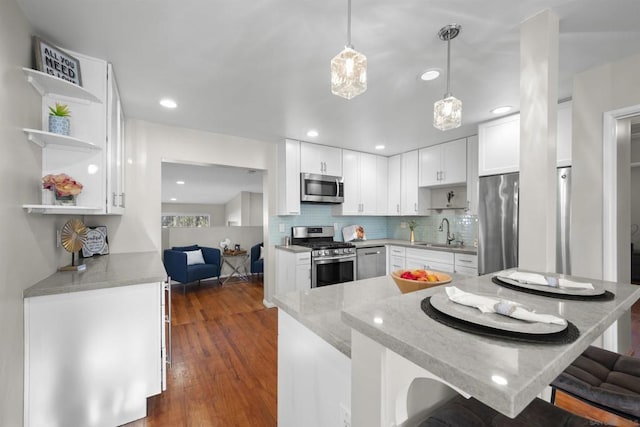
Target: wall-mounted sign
(56, 62)
(96, 242)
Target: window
(185, 220)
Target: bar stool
(602, 385)
(461, 412)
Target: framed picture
(96, 243)
(56, 62)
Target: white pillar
(538, 123)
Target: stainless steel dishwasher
(371, 262)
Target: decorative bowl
(408, 285)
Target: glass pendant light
(447, 112)
(349, 68)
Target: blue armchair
(257, 263)
(175, 262)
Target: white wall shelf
(43, 139)
(46, 84)
(60, 210)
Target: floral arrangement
(412, 224)
(62, 184)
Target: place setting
(491, 316)
(551, 286)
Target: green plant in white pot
(59, 119)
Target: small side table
(236, 261)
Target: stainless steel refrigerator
(498, 222)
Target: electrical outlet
(281, 228)
(345, 416)
(403, 225)
(335, 226)
(58, 238)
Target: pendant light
(349, 68)
(447, 112)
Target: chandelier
(348, 68)
(447, 112)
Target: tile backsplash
(464, 227)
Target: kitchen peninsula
(95, 342)
(361, 345)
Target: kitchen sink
(440, 245)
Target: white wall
(147, 145)
(596, 91)
(28, 253)
(233, 209)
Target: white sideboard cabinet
(93, 153)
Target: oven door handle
(334, 259)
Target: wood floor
(224, 370)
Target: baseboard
(267, 304)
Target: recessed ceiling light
(430, 74)
(312, 133)
(380, 147)
(173, 199)
(501, 110)
(180, 182)
(168, 103)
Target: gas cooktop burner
(327, 245)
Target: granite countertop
(319, 309)
(106, 271)
(382, 242)
(472, 362)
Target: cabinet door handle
(415, 207)
(113, 200)
(122, 200)
(464, 260)
(398, 208)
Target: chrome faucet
(450, 237)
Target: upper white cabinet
(381, 189)
(472, 175)
(499, 146)
(393, 184)
(289, 177)
(499, 143)
(320, 159)
(443, 164)
(360, 189)
(115, 147)
(413, 200)
(93, 153)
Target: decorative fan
(225, 243)
(73, 236)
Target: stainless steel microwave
(321, 188)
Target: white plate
(561, 291)
(441, 302)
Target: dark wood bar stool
(601, 385)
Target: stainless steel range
(331, 262)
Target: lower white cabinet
(466, 264)
(424, 259)
(396, 255)
(92, 357)
(293, 271)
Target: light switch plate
(281, 228)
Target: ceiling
(260, 69)
(207, 184)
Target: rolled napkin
(503, 307)
(539, 279)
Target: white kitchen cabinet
(499, 146)
(293, 271)
(289, 177)
(320, 159)
(92, 357)
(396, 255)
(499, 143)
(425, 259)
(360, 178)
(85, 154)
(413, 200)
(394, 185)
(115, 147)
(466, 264)
(472, 175)
(443, 164)
(381, 190)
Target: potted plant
(65, 188)
(59, 119)
(412, 226)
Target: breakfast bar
(392, 347)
